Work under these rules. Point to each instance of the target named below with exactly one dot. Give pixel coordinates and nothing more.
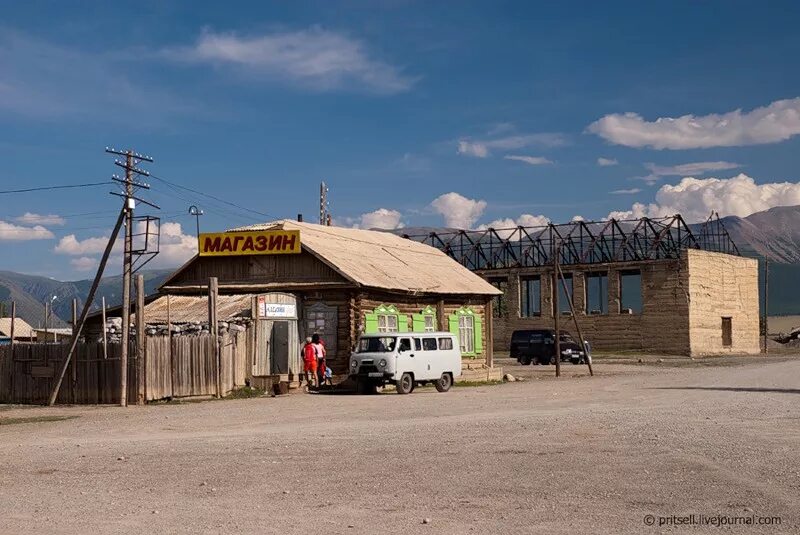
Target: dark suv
(537, 346)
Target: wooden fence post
(75, 358)
(12, 366)
(488, 312)
(213, 329)
(169, 350)
(105, 335)
(141, 368)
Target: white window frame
(466, 333)
(384, 323)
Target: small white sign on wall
(275, 310)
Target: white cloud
(12, 232)
(84, 263)
(626, 191)
(530, 160)
(505, 227)
(382, 218)
(605, 162)
(457, 210)
(482, 148)
(468, 148)
(175, 247)
(578, 218)
(775, 122)
(318, 59)
(683, 170)
(38, 219)
(70, 245)
(695, 198)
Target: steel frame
(580, 242)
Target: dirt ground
(574, 455)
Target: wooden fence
(177, 367)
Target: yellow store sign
(256, 242)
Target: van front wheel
(444, 383)
(406, 384)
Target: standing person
(319, 348)
(310, 363)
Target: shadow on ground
(732, 389)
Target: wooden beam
(587, 357)
(75, 360)
(488, 312)
(169, 349)
(141, 365)
(105, 335)
(213, 329)
(86, 306)
(11, 367)
(440, 319)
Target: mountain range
(31, 292)
(773, 234)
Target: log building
(341, 282)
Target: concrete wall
(720, 286)
(662, 326)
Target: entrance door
(280, 348)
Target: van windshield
(383, 344)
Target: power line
(47, 188)
(211, 197)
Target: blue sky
(462, 113)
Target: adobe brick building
(653, 285)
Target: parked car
(538, 346)
(406, 360)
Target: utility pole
(324, 216)
(556, 311)
(131, 161)
(126, 218)
(766, 305)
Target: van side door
(406, 356)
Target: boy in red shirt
(310, 363)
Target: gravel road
(574, 455)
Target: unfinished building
(651, 285)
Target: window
(384, 319)
(387, 323)
(597, 293)
(530, 296)
(429, 344)
(727, 332)
(499, 301)
(376, 345)
(564, 298)
(468, 327)
(466, 334)
(405, 344)
(425, 321)
(630, 292)
(417, 344)
(445, 343)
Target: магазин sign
(256, 242)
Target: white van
(406, 360)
